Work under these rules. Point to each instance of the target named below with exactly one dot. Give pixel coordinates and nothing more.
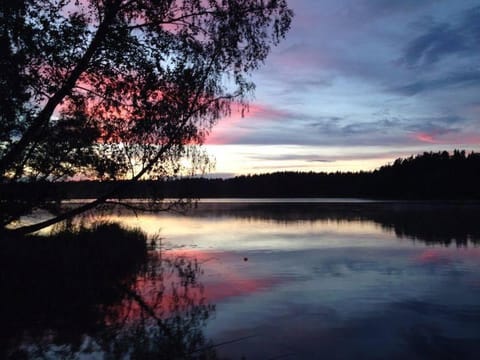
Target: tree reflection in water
(446, 223)
(104, 295)
(162, 314)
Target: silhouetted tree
(121, 89)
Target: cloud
(333, 157)
(288, 157)
(367, 74)
(472, 22)
(459, 79)
(389, 7)
(218, 175)
(425, 138)
(234, 127)
(296, 128)
(439, 40)
(439, 125)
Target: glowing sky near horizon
(356, 84)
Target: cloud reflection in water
(376, 280)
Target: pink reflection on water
(185, 279)
(446, 256)
(227, 273)
(432, 256)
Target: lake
(264, 279)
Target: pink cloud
(468, 139)
(424, 137)
(229, 129)
(447, 139)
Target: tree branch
(36, 128)
(172, 20)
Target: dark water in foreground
(273, 280)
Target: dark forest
(431, 175)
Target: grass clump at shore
(60, 279)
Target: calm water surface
(312, 281)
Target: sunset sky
(358, 83)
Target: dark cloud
(436, 127)
(389, 6)
(281, 167)
(448, 120)
(345, 131)
(460, 79)
(439, 40)
(218, 175)
(297, 134)
(322, 120)
(286, 157)
(369, 127)
(361, 12)
(472, 23)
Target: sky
(357, 84)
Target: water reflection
(447, 223)
(297, 225)
(337, 281)
(80, 301)
(295, 281)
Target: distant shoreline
(431, 176)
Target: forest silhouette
(428, 176)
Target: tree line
(431, 175)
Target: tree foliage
(122, 89)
